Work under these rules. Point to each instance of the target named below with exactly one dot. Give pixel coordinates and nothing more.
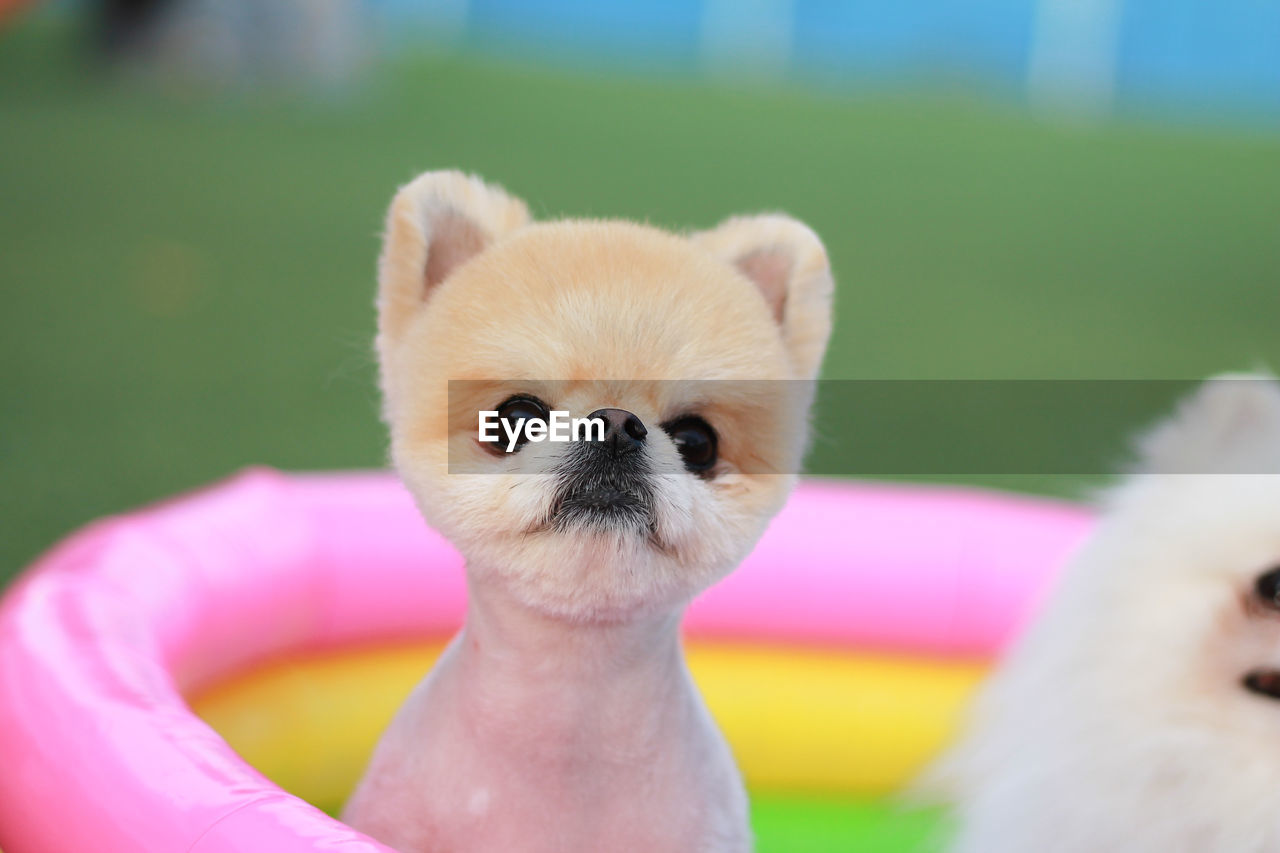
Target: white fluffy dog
(1141, 712)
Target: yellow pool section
(801, 721)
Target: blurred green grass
(189, 282)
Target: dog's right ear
(786, 262)
(1229, 425)
(436, 223)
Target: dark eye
(696, 441)
(515, 412)
(1267, 588)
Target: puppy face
(697, 354)
(1142, 711)
(1200, 527)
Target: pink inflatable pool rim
(100, 639)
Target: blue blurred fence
(1216, 55)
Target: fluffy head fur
(1121, 721)
(470, 289)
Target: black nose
(623, 431)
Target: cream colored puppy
(1141, 712)
(562, 718)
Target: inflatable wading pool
(210, 674)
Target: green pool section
(795, 823)
(814, 824)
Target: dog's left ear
(1229, 425)
(436, 223)
(787, 263)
